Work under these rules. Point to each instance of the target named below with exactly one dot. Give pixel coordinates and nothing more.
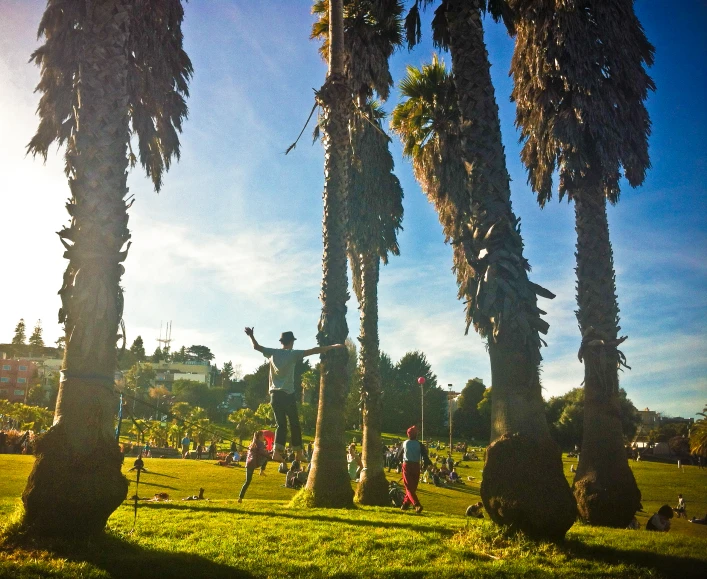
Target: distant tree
(301, 367)
(19, 338)
(36, 340)
(181, 411)
(565, 416)
(199, 394)
(484, 407)
(256, 386)
(162, 396)
(246, 423)
(61, 344)
(29, 417)
(310, 386)
(138, 349)
(200, 353)
(698, 435)
(308, 417)
(157, 356)
(466, 416)
(180, 356)
(265, 415)
(226, 373)
(140, 377)
(408, 369)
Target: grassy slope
(264, 537)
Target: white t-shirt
(282, 368)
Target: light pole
(450, 419)
(421, 382)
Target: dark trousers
(248, 477)
(411, 478)
(284, 405)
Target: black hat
(287, 337)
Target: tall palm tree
(580, 84)
(328, 484)
(109, 69)
(375, 212)
(492, 278)
(373, 30)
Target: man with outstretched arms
(282, 388)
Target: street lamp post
(421, 382)
(450, 419)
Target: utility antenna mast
(167, 340)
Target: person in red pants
(411, 453)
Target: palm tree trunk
(328, 483)
(76, 482)
(524, 484)
(604, 485)
(373, 486)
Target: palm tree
(375, 213)
(109, 69)
(579, 89)
(328, 484)
(373, 32)
(698, 435)
(491, 273)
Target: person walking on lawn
(257, 458)
(282, 389)
(411, 453)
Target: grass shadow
(667, 565)
(304, 517)
(153, 473)
(151, 484)
(118, 557)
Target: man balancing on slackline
(282, 389)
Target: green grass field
(265, 537)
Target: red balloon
(421, 380)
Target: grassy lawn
(265, 537)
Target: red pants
(411, 478)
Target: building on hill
(650, 420)
(15, 377)
(676, 420)
(194, 370)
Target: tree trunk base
(329, 499)
(69, 495)
(524, 487)
(608, 505)
(372, 490)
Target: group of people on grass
(660, 521)
(410, 456)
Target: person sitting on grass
(660, 521)
(474, 511)
(257, 457)
(291, 479)
(454, 477)
(282, 388)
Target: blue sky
(234, 238)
